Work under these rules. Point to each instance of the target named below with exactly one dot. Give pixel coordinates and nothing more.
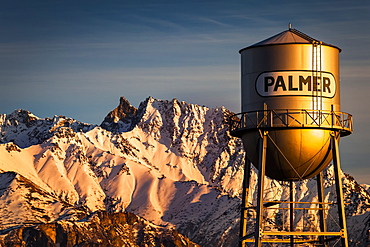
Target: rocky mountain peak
(121, 119)
(20, 116)
(122, 112)
(25, 129)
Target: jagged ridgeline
(167, 172)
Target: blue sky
(76, 58)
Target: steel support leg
(244, 208)
(260, 189)
(291, 211)
(321, 199)
(338, 185)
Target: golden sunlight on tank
(290, 88)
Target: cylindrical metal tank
(282, 72)
(290, 87)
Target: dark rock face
(99, 229)
(123, 118)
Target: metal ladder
(317, 104)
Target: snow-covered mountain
(172, 163)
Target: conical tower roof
(290, 36)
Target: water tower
(290, 125)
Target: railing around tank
(290, 118)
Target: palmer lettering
(280, 83)
(304, 81)
(308, 83)
(295, 83)
(269, 81)
(291, 88)
(326, 85)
